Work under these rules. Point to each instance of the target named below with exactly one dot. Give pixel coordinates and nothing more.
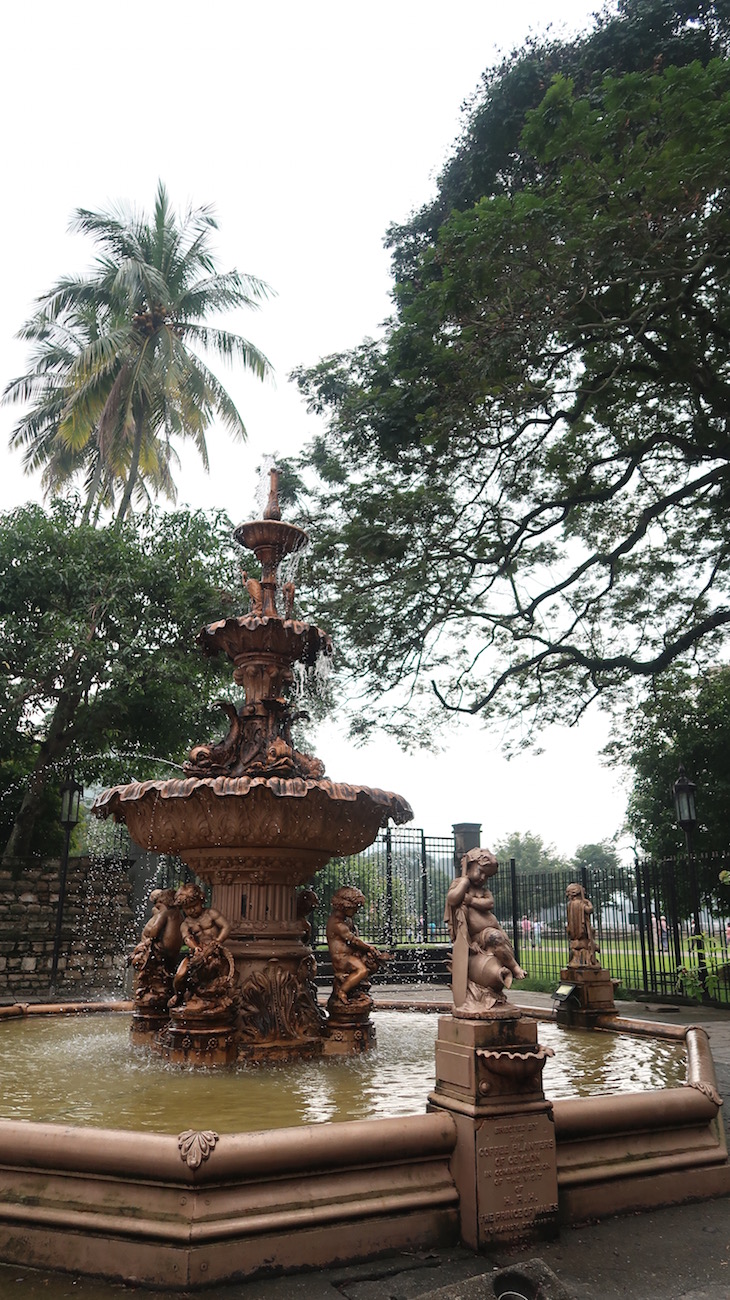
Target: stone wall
(98, 928)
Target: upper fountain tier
(253, 787)
(264, 645)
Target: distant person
(526, 928)
(664, 933)
(536, 933)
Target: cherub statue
(288, 591)
(353, 959)
(306, 902)
(255, 592)
(204, 979)
(582, 936)
(156, 955)
(483, 963)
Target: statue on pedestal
(582, 936)
(483, 963)
(354, 960)
(155, 958)
(203, 983)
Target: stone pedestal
(489, 1076)
(197, 1040)
(349, 1040)
(594, 996)
(146, 1025)
(350, 1031)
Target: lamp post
(71, 793)
(685, 809)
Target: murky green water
(83, 1071)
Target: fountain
(491, 1161)
(255, 818)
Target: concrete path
(682, 1253)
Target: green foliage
(702, 972)
(630, 36)
(97, 628)
(522, 488)
(530, 852)
(596, 857)
(686, 720)
(115, 376)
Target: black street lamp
(685, 806)
(71, 793)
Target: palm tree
(115, 375)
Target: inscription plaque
(517, 1189)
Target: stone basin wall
(98, 927)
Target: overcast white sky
(310, 127)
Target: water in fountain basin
(83, 1071)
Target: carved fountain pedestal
(489, 1078)
(255, 819)
(489, 1068)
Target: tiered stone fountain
(256, 819)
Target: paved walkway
(681, 1253)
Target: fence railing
(650, 918)
(404, 876)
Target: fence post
(515, 909)
(695, 890)
(389, 887)
(424, 890)
(669, 882)
(642, 927)
(467, 835)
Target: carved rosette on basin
(255, 818)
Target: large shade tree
(684, 720)
(524, 483)
(117, 372)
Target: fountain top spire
(270, 540)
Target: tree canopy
(523, 484)
(97, 627)
(116, 375)
(685, 720)
(530, 852)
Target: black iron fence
(404, 876)
(663, 928)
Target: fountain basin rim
(222, 787)
(313, 640)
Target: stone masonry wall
(97, 930)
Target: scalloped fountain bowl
(244, 817)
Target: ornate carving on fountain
(483, 962)
(196, 1145)
(224, 816)
(155, 958)
(279, 1006)
(354, 961)
(509, 1073)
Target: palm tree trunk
(93, 490)
(133, 470)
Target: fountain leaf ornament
(196, 1145)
